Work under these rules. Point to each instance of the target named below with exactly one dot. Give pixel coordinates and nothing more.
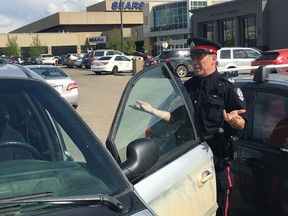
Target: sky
(19, 13)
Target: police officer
(219, 110)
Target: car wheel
(115, 70)
(181, 71)
(98, 72)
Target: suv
(234, 57)
(50, 167)
(179, 59)
(95, 54)
(272, 57)
(46, 59)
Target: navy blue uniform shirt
(210, 95)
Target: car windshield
(49, 72)
(268, 56)
(45, 148)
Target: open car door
(170, 167)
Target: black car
(179, 59)
(260, 167)
(32, 60)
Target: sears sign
(99, 39)
(134, 5)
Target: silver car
(57, 78)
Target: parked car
(46, 59)
(112, 64)
(260, 167)
(57, 78)
(143, 55)
(69, 57)
(58, 60)
(234, 57)
(151, 62)
(179, 59)
(73, 61)
(95, 54)
(273, 57)
(51, 162)
(33, 60)
(79, 62)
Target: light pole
(121, 20)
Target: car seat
(10, 140)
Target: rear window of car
(268, 56)
(105, 58)
(49, 72)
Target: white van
(234, 57)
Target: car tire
(98, 72)
(181, 71)
(115, 70)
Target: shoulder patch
(239, 93)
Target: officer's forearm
(166, 116)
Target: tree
(148, 46)
(129, 45)
(36, 47)
(12, 47)
(114, 42)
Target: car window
(225, 54)
(99, 53)
(270, 119)
(239, 53)
(105, 58)
(161, 92)
(50, 72)
(47, 148)
(268, 56)
(118, 53)
(251, 53)
(110, 53)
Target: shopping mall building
(253, 23)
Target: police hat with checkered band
(202, 46)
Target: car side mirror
(142, 155)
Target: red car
(271, 57)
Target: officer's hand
(142, 105)
(234, 118)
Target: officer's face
(204, 65)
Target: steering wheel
(35, 153)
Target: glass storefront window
(208, 31)
(228, 32)
(250, 32)
(170, 16)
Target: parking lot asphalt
(99, 96)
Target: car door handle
(204, 177)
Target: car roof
(13, 71)
(262, 76)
